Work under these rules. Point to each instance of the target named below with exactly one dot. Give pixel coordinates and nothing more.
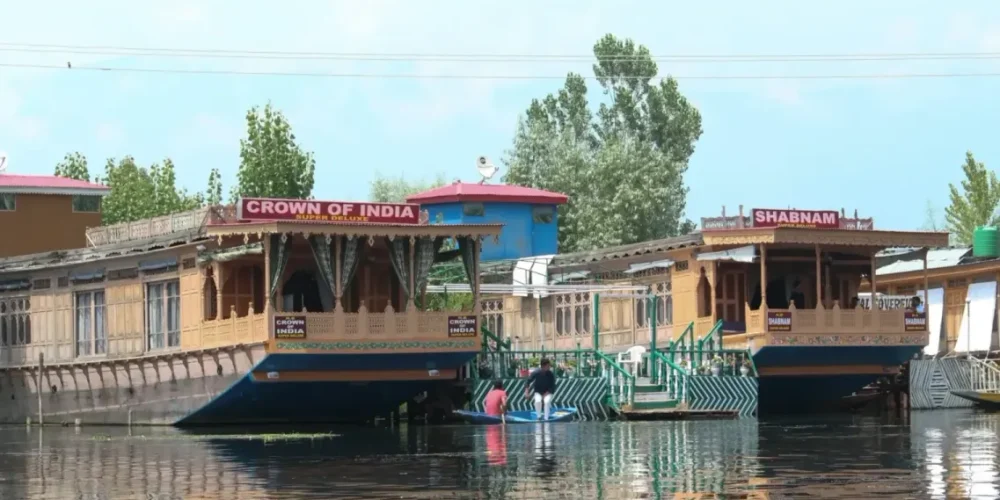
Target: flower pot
(715, 370)
(744, 371)
(525, 372)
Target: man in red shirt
(496, 400)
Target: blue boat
(518, 417)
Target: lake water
(939, 454)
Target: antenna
(486, 168)
(3, 161)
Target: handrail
(488, 335)
(984, 375)
(710, 339)
(626, 390)
(676, 379)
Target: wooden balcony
(834, 326)
(387, 331)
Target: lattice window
(663, 301)
(573, 314)
(493, 316)
(15, 321)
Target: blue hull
(517, 417)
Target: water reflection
(934, 455)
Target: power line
(418, 76)
(470, 57)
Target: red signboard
(820, 219)
(327, 211)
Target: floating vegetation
(265, 438)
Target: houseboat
(270, 311)
(783, 284)
(959, 367)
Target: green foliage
(140, 193)
(977, 204)
(271, 163)
(213, 194)
(624, 168)
(73, 166)
(396, 189)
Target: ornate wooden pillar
(338, 291)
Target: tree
(396, 189)
(622, 168)
(213, 194)
(73, 166)
(977, 204)
(140, 193)
(271, 163)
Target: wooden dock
(679, 414)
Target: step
(654, 396)
(655, 405)
(648, 388)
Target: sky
(887, 147)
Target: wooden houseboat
(275, 311)
(960, 365)
(812, 343)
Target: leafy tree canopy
(623, 168)
(977, 202)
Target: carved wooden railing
(234, 330)
(724, 223)
(833, 320)
(386, 325)
(190, 221)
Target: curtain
(427, 249)
(349, 257)
(399, 256)
(468, 258)
(280, 244)
(320, 245)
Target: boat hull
(517, 417)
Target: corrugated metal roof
(936, 258)
(18, 183)
(467, 191)
(623, 251)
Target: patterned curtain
(399, 256)
(320, 245)
(349, 257)
(468, 258)
(280, 244)
(427, 248)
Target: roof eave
(55, 191)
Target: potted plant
(716, 366)
(745, 368)
(589, 368)
(569, 367)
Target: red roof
(48, 184)
(465, 191)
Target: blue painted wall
(520, 237)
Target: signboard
(461, 326)
(267, 209)
(289, 327)
(818, 219)
(779, 321)
(914, 321)
(885, 302)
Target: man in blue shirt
(542, 382)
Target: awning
(564, 277)
(157, 264)
(531, 273)
(644, 266)
(14, 285)
(747, 254)
(88, 275)
(231, 253)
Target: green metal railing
(499, 344)
(729, 361)
(669, 374)
(576, 363)
(709, 340)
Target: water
(934, 455)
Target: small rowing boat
(517, 417)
